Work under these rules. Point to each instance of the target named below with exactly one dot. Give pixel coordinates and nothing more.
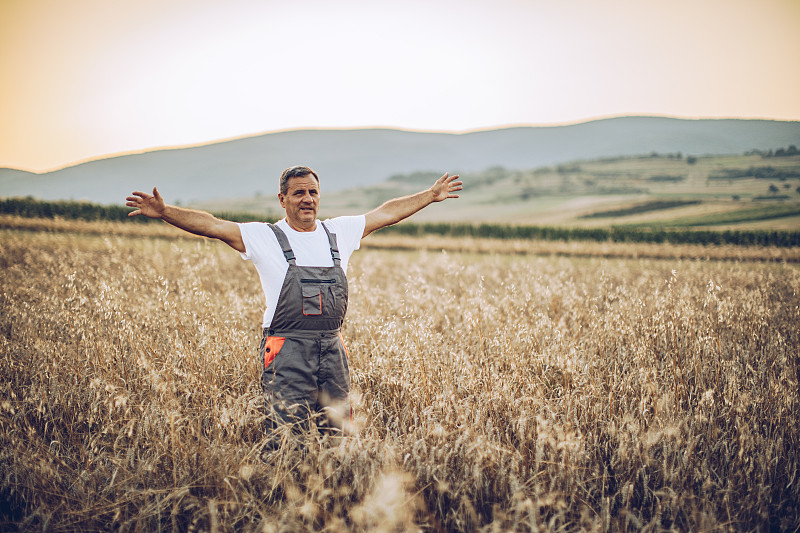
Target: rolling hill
(346, 159)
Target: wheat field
(492, 392)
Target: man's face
(301, 202)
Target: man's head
(299, 196)
(297, 171)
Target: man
(301, 263)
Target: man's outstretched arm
(193, 221)
(397, 209)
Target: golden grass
(493, 392)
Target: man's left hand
(445, 187)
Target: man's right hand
(149, 205)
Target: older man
(301, 262)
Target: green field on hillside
(750, 191)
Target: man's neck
(302, 229)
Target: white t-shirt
(311, 248)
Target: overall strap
(284, 242)
(334, 245)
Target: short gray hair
(297, 171)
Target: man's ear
(280, 199)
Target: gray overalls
(305, 361)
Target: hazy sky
(85, 78)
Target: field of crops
(492, 392)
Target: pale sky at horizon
(87, 78)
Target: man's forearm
(191, 220)
(397, 209)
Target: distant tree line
(671, 178)
(772, 197)
(780, 152)
(31, 208)
(761, 173)
(656, 205)
(613, 234)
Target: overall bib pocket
(312, 298)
